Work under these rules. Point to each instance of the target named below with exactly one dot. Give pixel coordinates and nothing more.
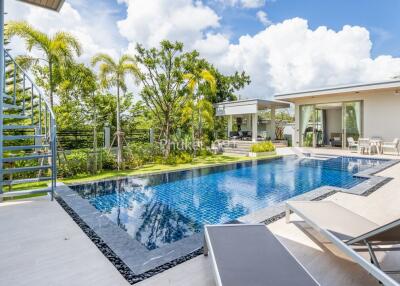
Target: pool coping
(136, 263)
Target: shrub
(266, 146)
(76, 164)
(173, 159)
(108, 159)
(205, 153)
(146, 152)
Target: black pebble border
(125, 271)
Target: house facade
(330, 116)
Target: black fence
(138, 135)
(78, 139)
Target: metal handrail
(49, 129)
(31, 81)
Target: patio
(69, 258)
(250, 119)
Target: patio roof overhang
(247, 106)
(54, 5)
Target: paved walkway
(41, 245)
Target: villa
(323, 212)
(330, 116)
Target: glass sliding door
(307, 115)
(352, 121)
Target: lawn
(146, 169)
(155, 168)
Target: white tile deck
(41, 245)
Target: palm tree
(197, 102)
(112, 74)
(57, 49)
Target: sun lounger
(350, 232)
(250, 255)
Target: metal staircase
(27, 132)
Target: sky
(284, 45)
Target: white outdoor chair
(352, 144)
(364, 145)
(394, 145)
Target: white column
(107, 137)
(254, 129)
(273, 123)
(230, 120)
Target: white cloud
(290, 56)
(96, 33)
(243, 3)
(263, 18)
(149, 22)
(252, 3)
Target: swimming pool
(160, 209)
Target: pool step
(24, 181)
(24, 192)
(26, 157)
(26, 169)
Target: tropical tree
(164, 87)
(197, 102)
(113, 74)
(58, 49)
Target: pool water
(164, 208)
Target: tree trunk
(118, 134)
(167, 137)
(95, 142)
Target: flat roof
(261, 103)
(54, 5)
(341, 89)
(247, 106)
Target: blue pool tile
(164, 208)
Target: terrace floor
(42, 245)
(45, 247)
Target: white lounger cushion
(340, 221)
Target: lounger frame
(349, 251)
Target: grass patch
(155, 168)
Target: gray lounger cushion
(250, 255)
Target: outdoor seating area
(374, 145)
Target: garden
(165, 90)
